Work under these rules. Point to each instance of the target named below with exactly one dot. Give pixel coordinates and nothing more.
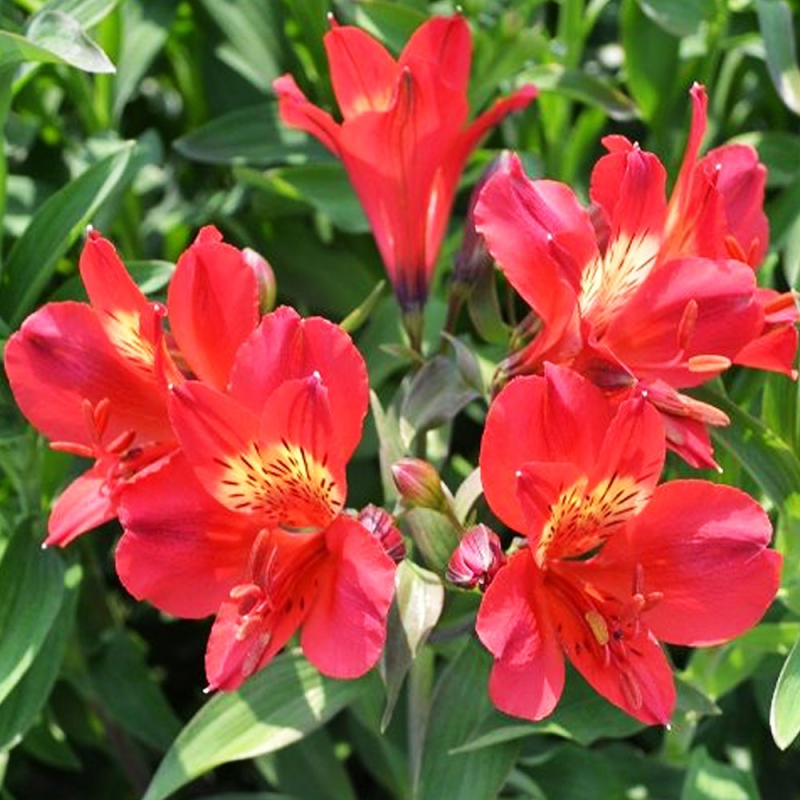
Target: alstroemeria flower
(246, 522)
(404, 137)
(642, 293)
(90, 376)
(613, 563)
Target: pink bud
(380, 524)
(419, 484)
(477, 559)
(267, 287)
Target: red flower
(614, 563)
(89, 376)
(246, 522)
(642, 291)
(404, 138)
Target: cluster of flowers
(220, 436)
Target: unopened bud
(267, 287)
(380, 524)
(477, 559)
(419, 484)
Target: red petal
(540, 484)
(775, 350)
(560, 418)
(286, 347)
(441, 49)
(297, 112)
(363, 72)
(681, 193)
(639, 682)
(538, 232)
(344, 632)
(83, 505)
(213, 307)
(181, 550)
(703, 546)
(60, 357)
(647, 333)
(108, 284)
(528, 674)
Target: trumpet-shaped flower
(246, 522)
(404, 137)
(641, 292)
(90, 376)
(613, 562)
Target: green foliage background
(101, 697)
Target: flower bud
(419, 484)
(267, 287)
(380, 524)
(477, 559)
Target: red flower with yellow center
(613, 562)
(246, 522)
(641, 293)
(404, 138)
(90, 376)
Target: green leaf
(777, 28)
(708, 779)
(274, 708)
(651, 60)
(54, 228)
(419, 599)
(390, 443)
(784, 715)
(391, 22)
(467, 495)
(254, 136)
(779, 151)
(129, 694)
(87, 12)
(31, 593)
(54, 37)
(255, 40)
(460, 704)
(768, 459)
(359, 315)
(582, 86)
(325, 187)
(570, 773)
(434, 536)
(677, 16)
(21, 707)
(145, 26)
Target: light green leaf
(390, 444)
(467, 495)
(582, 86)
(31, 593)
(784, 715)
(393, 23)
(62, 36)
(419, 599)
(277, 706)
(708, 779)
(254, 136)
(433, 535)
(777, 28)
(54, 228)
(87, 12)
(359, 315)
(21, 707)
(678, 17)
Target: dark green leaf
(54, 228)
(253, 136)
(582, 86)
(434, 536)
(460, 704)
(277, 706)
(393, 23)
